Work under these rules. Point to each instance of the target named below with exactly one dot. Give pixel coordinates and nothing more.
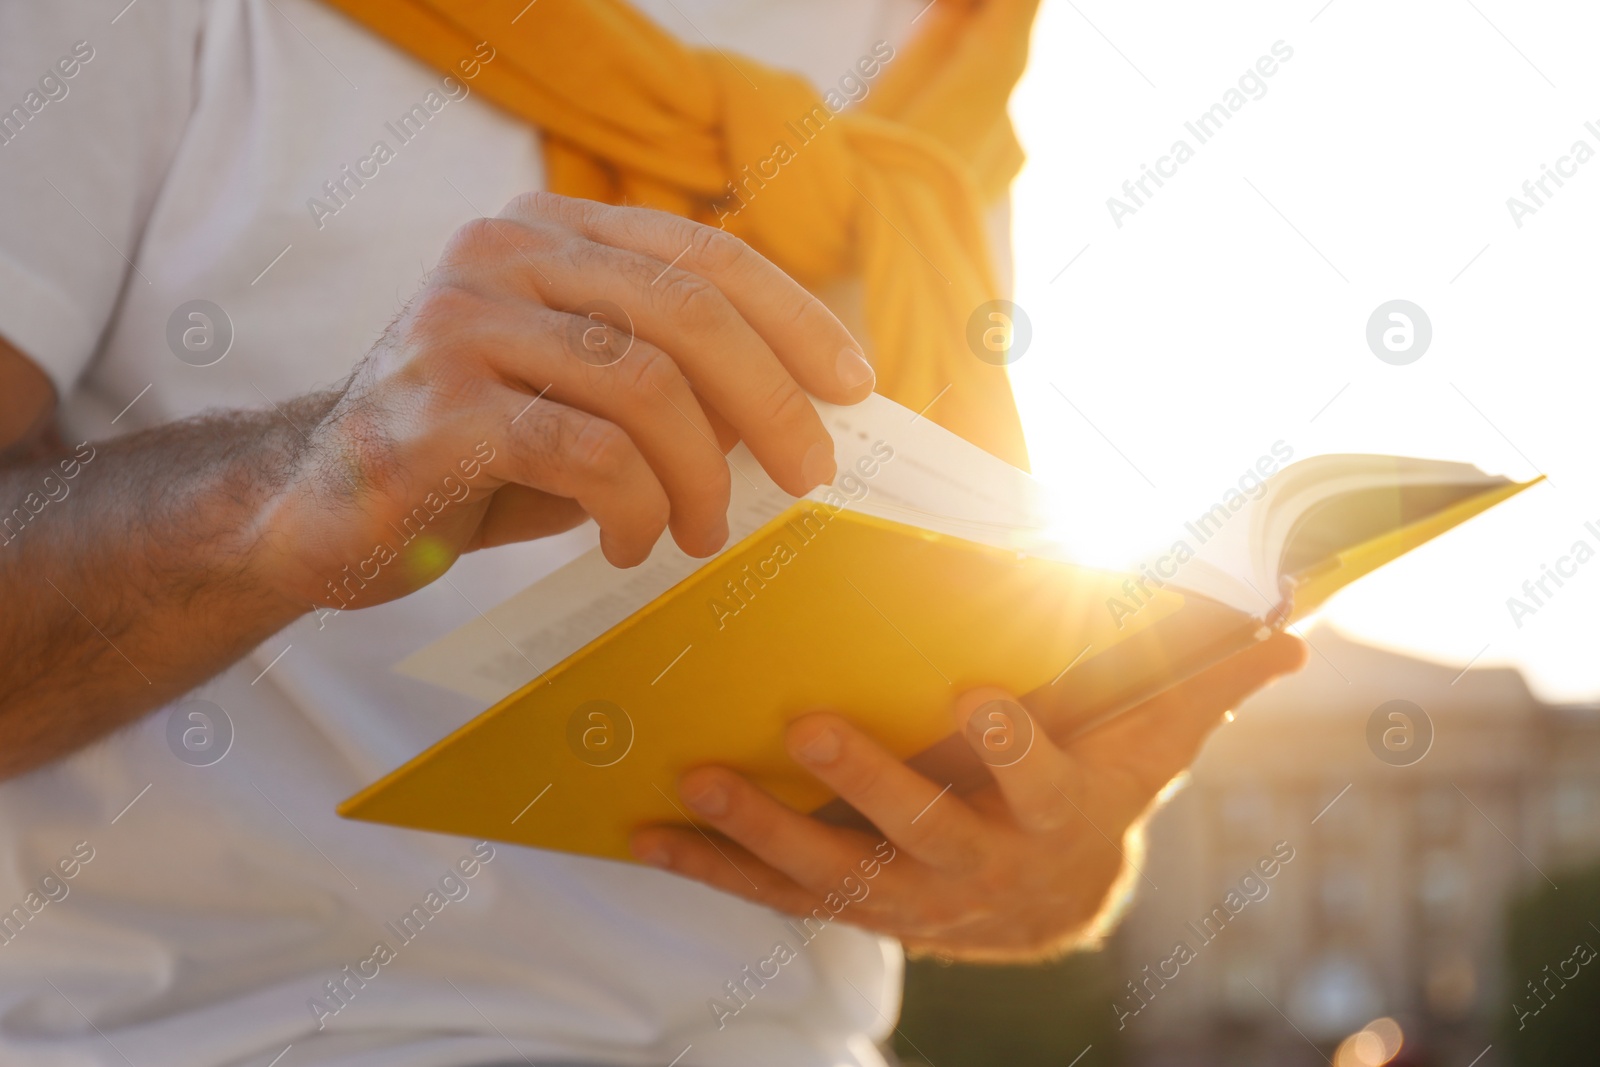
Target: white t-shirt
(207, 906)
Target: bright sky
(1230, 311)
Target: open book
(927, 568)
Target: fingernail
(654, 855)
(823, 748)
(854, 370)
(819, 466)
(709, 799)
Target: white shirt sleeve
(91, 113)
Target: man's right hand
(651, 342)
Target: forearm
(132, 571)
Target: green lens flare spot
(427, 558)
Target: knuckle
(860, 777)
(581, 253)
(488, 248)
(524, 205)
(643, 227)
(717, 250)
(538, 204)
(688, 297)
(649, 371)
(807, 312)
(600, 448)
(474, 239)
(598, 341)
(785, 405)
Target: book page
(892, 464)
(1238, 562)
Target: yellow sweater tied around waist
(892, 190)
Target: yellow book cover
(925, 570)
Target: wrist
(279, 546)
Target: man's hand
(494, 409)
(650, 342)
(1017, 870)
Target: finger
(518, 513)
(927, 820)
(1027, 765)
(569, 453)
(810, 342)
(728, 362)
(814, 854)
(721, 864)
(627, 381)
(725, 865)
(1152, 743)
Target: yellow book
(925, 570)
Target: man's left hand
(1018, 869)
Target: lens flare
(1372, 1046)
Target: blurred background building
(1411, 857)
(1396, 903)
